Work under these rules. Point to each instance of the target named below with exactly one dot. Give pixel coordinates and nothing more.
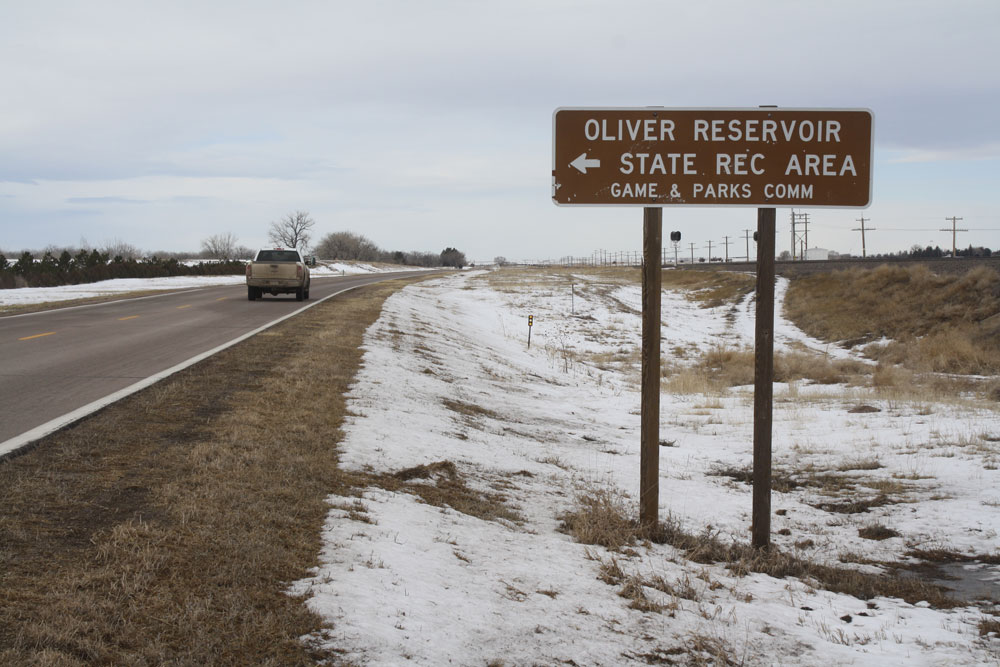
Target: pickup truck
(277, 271)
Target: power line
(930, 229)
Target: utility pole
(799, 239)
(954, 231)
(709, 252)
(805, 223)
(746, 233)
(726, 242)
(793, 234)
(692, 253)
(862, 230)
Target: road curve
(57, 366)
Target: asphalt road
(55, 362)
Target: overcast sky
(429, 124)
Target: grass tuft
(741, 558)
(877, 531)
(600, 519)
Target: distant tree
(415, 258)
(24, 264)
(453, 257)
(119, 248)
(65, 261)
(347, 245)
(785, 255)
(219, 246)
(292, 231)
(500, 260)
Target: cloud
(232, 113)
(989, 151)
(105, 200)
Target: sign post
(649, 437)
(762, 158)
(763, 381)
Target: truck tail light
(249, 270)
(298, 271)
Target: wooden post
(649, 456)
(763, 380)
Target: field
(885, 486)
(479, 495)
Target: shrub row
(93, 266)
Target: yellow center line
(223, 298)
(49, 333)
(182, 307)
(130, 317)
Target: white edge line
(17, 442)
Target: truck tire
(306, 294)
(300, 294)
(252, 294)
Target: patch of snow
(447, 376)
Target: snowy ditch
(448, 383)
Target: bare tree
(119, 248)
(292, 231)
(346, 245)
(220, 246)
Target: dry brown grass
(441, 484)
(711, 288)
(600, 518)
(988, 626)
(877, 531)
(166, 528)
(593, 523)
(725, 366)
(945, 323)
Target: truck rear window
(277, 256)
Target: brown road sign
(761, 157)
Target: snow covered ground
(29, 295)
(448, 377)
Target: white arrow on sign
(583, 164)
